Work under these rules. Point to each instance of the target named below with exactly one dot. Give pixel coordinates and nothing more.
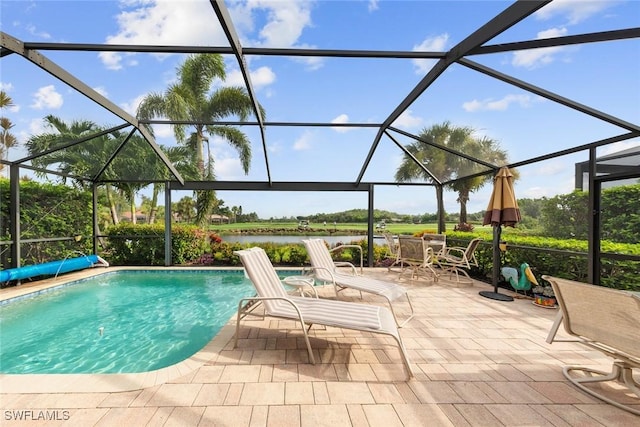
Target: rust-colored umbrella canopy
(503, 206)
(502, 210)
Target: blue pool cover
(49, 268)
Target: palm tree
(8, 139)
(191, 99)
(447, 166)
(179, 157)
(81, 160)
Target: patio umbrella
(502, 211)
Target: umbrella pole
(497, 232)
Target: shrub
(143, 244)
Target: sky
(603, 76)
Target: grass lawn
(279, 227)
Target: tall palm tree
(447, 166)
(7, 139)
(179, 157)
(191, 99)
(81, 160)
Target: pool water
(125, 321)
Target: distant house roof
(624, 164)
(218, 218)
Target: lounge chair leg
(309, 350)
(620, 372)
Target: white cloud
(160, 22)
(342, 118)
(228, 168)
(373, 5)
(7, 87)
(162, 131)
(47, 97)
(102, 91)
(497, 105)
(261, 77)
(408, 120)
(431, 44)
(285, 22)
(575, 11)
(131, 107)
(303, 142)
(533, 58)
(37, 127)
(34, 32)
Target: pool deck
(477, 362)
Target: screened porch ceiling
(474, 58)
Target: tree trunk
(112, 205)
(463, 198)
(132, 206)
(153, 209)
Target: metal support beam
(94, 207)
(232, 36)
(167, 224)
(14, 214)
(503, 21)
(370, 229)
(15, 45)
(593, 235)
(551, 96)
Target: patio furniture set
(420, 255)
(601, 318)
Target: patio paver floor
(477, 362)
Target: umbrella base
(496, 296)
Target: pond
(262, 238)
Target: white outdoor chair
(457, 260)
(607, 320)
(326, 270)
(308, 311)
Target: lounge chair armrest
(455, 249)
(302, 284)
(333, 279)
(358, 247)
(354, 271)
(270, 298)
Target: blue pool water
(125, 321)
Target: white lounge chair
(308, 311)
(607, 320)
(456, 260)
(326, 270)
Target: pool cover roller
(51, 268)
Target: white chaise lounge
(308, 311)
(326, 270)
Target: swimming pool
(123, 321)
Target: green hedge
(143, 244)
(555, 257)
(47, 211)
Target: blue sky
(604, 76)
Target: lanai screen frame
(472, 45)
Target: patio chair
(393, 249)
(326, 270)
(607, 320)
(417, 255)
(457, 260)
(308, 311)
